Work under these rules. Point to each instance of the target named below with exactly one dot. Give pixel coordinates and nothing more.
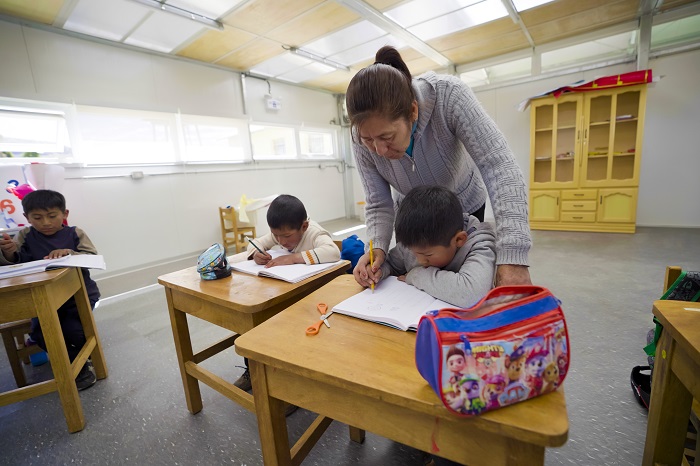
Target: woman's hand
(366, 275)
(507, 274)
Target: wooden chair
(13, 336)
(672, 274)
(233, 232)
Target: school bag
(353, 249)
(212, 263)
(685, 288)
(511, 346)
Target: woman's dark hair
(43, 199)
(286, 211)
(381, 89)
(428, 216)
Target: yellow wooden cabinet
(585, 153)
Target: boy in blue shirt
(49, 238)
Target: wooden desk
(40, 295)
(675, 383)
(363, 374)
(237, 303)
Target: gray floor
(606, 283)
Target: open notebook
(88, 261)
(393, 303)
(289, 273)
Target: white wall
(668, 190)
(162, 218)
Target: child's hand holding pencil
(260, 257)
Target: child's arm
(395, 263)
(324, 250)
(9, 249)
(83, 246)
(473, 280)
(265, 243)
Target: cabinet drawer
(579, 194)
(578, 205)
(578, 217)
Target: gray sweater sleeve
(379, 211)
(502, 177)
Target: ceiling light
(318, 58)
(162, 6)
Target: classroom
(152, 117)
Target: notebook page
(393, 302)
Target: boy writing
(49, 238)
(291, 230)
(440, 250)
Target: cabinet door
(544, 206)
(617, 205)
(612, 137)
(555, 145)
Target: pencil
(255, 246)
(371, 261)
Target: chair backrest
(232, 232)
(672, 274)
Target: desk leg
(668, 413)
(60, 364)
(183, 348)
(272, 423)
(88, 321)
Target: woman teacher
(431, 130)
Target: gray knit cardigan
(456, 145)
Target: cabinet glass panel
(625, 140)
(544, 117)
(566, 142)
(599, 138)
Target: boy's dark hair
(286, 211)
(428, 216)
(43, 199)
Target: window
(606, 48)
(497, 73)
(679, 32)
(273, 142)
(208, 139)
(114, 136)
(316, 144)
(28, 133)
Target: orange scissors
(323, 309)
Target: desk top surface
(31, 280)
(241, 291)
(378, 361)
(682, 320)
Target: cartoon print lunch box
(511, 346)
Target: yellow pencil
(371, 261)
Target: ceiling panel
(583, 20)
(163, 32)
(313, 24)
(256, 30)
(252, 53)
(210, 8)
(109, 20)
(482, 34)
(262, 16)
(213, 45)
(345, 39)
(41, 11)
